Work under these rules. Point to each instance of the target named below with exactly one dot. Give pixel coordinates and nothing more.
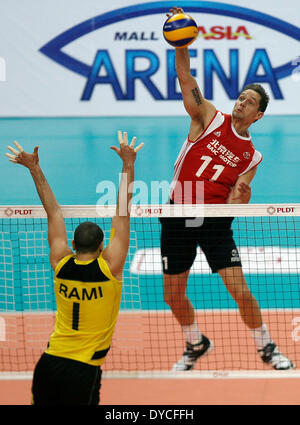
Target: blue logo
(53, 50)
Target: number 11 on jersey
(207, 160)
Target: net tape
(160, 210)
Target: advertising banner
(92, 58)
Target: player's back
(88, 300)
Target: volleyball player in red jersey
(219, 156)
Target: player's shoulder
(221, 118)
(257, 156)
(105, 268)
(62, 262)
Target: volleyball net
(148, 338)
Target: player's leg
(80, 384)
(62, 381)
(223, 257)
(197, 344)
(178, 251)
(44, 388)
(236, 285)
(175, 286)
(95, 389)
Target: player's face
(247, 106)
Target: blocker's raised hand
(127, 152)
(19, 156)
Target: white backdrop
(100, 58)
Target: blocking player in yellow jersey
(87, 285)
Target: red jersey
(214, 160)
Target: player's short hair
(87, 237)
(264, 98)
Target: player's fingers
(120, 137)
(133, 142)
(117, 150)
(139, 147)
(13, 157)
(245, 187)
(125, 138)
(19, 146)
(14, 151)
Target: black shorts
(179, 244)
(61, 381)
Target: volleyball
(180, 30)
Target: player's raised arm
(57, 235)
(200, 110)
(116, 252)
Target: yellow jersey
(88, 300)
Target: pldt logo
(14, 212)
(104, 72)
(280, 210)
(9, 212)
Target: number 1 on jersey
(207, 160)
(75, 316)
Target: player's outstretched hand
(127, 152)
(174, 11)
(19, 156)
